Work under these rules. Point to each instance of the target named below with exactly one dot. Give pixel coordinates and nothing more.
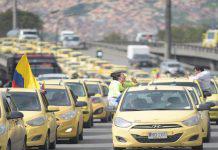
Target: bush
(24, 20)
(184, 34)
(115, 38)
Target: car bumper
(137, 138)
(86, 114)
(67, 128)
(36, 135)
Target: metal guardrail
(177, 48)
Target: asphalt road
(99, 138)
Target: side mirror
(15, 115)
(203, 107)
(81, 104)
(207, 94)
(52, 109)
(210, 104)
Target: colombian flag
(23, 76)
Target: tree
(25, 20)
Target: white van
(31, 34)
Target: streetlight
(168, 29)
(14, 20)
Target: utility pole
(168, 29)
(14, 14)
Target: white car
(172, 67)
(52, 76)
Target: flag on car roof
(23, 76)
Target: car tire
(53, 144)
(207, 139)
(118, 148)
(198, 147)
(8, 146)
(75, 140)
(92, 124)
(81, 135)
(88, 124)
(105, 120)
(217, 122)
(47, 143)
(24, 144)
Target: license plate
(157, 135)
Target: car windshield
(156, 100)
(77, 89)
(26, 101)
(190, 84)
(210, 35)
(57, 97)
(142, 76)
(140, 56)
(93, 89)
(174, 65)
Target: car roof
(158, 87)
(168, 79)
(17, 90)
(54, 87)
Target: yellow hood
(156, 116)
(213, 97)
(29, 115)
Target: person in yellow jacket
(117, 86)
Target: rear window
(26, 101)
(57, 97)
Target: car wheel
(75, 140)
(207, 139)
(8, 146)
(24, 144)
(53, 144)
(92, 124)
(198, 147)
(118, 148)
(89, 123)
(81, 135)
(47, 143)
(105, 120)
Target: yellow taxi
(39, 119)
(98, 92)
(69, 117)
(157, 117)
(194, 84)
(79, 89)
(11, 124)
(204, 114)
(214, 98)
(180, 82)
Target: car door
(51, 119)
(20, 127)
(13, 133)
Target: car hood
(29, 115)
(156, 116)
(213, 97)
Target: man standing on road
(115, 88)
(203, 77)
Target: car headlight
(194, 120)
(37, 121)
(122, 123)
(69, 115)
(2, 129)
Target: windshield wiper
(160, 109)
